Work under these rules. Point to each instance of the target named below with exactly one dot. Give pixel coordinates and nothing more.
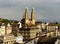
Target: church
(29, 28)
(26, 21)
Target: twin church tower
(28, 21)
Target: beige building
(8, 29)
(29, 28)
(52, 29)
(29, 32)
(5, 34)
(2, 29)
(7, 39)
(41, 26)
(26, 21)
(5, 29)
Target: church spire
(26, 13)
(33, 10)
(32, 14)
(26, 10)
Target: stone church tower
(33, 17)
(26, 21)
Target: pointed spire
(26, 14)
(33, 14)
(33, 10)
(26, 10)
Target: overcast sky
(44, 9)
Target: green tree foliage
(5, 20)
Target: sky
(44, 9)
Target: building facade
(5, 29)
(29, 28)
(52, 29)
(7, 39)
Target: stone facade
(5, 29)
(29, 32)
(7, 39)
(26, 21)
(29, 28)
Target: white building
(19, 39)
(5, 29)
(2, 29)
